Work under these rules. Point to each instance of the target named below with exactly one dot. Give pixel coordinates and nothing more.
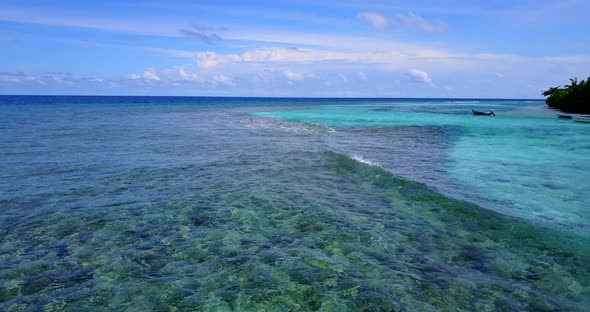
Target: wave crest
(364, 160)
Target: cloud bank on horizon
(293, 48)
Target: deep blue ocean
(265, 204)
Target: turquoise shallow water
(525, 162)
(229, 204)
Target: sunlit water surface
(221, 204)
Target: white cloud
(207, 60)
(420, 76)
(169, 27)
(363, 76)
(376, 20)
(268, 68)
(277, 54)
(500, 75)
(61, 80)
(173, 52)
(186, 75)
(149, 74)
(12, 77)
(409, 21)
(224, 80)
(413, 21)
(292, 76)
(401, 58)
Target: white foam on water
(364, 160)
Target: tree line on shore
(572, 98)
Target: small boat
(581, 118)
(562, 115)
(478, 113)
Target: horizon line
(275, 97)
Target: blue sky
(346, 48)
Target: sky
(293, 48)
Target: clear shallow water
(198, 203)
(525, 162)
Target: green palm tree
(572, 98)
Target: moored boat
(581, 118)
(478, 113)
(563, 115)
